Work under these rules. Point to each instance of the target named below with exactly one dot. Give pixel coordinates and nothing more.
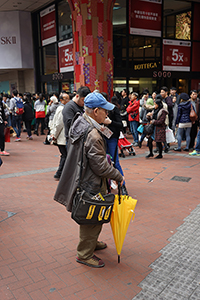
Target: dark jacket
(183, 115)
(28, 114)
(69, 111)
(116, 126)
(2, 113)
(160, 135)
(124, 104)
(95, 165)
(168, 101)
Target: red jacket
(133, 108)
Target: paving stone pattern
(38, 238)
(176, 273)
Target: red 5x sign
(66, 56)
(176, 55)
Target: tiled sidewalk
(38, 238)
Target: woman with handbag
(158, 120)
(183, 121)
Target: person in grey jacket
(96, 170)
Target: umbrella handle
(119, 192)
(118, 259)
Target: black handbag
(148, 129)
(88, 209)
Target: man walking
(74, 106)
(96, 170)
(16, 102)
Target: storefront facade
(52, 34)
(156, 43)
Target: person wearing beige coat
(58, 135)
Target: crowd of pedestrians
(132, 113)
(164, 110)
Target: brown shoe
(100, 246)
(94, 262)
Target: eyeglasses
(103, 109)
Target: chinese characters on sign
(145, 17)
(176, 55)
(48, 25)
(66, 56)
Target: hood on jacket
(185, 105)
(78, 128)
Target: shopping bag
(169, 136)
(12, 132)
(7, 134)
(140, 128)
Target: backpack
(19, 106)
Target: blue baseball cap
(94, 99)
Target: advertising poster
(65, 49)
(48, 25)
(145, 17)
(176, 55)
(183, 26)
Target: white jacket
(57, 126)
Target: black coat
(28, 114)
(116, 126)
(3, 117)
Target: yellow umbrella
(123, 212)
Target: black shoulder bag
(88, 209)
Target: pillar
(93, 44)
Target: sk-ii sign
(8, 40)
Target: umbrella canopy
(123, 212)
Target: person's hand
(53, 138)
(107, 121)
(121, 183)
(5, 122)
(176, 125)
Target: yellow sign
(146, 66)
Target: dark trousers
(193, 134)
(2, 137)
(38, 121)
(16, 124)
(158, 144)
(63, 152)
(28, 127)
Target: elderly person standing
(96, 170)
(58, 133)
(51, 110)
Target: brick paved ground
(38, 238)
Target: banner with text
(66, 56)
(176, 55)
(145, 17)
(48, 25)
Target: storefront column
(93, 44)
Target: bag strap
(81, 166)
